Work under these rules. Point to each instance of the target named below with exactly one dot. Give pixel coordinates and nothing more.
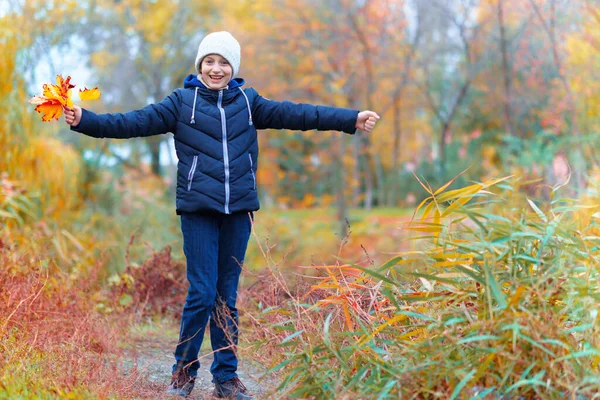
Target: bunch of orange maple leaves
(56, 97)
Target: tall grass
(497, 297)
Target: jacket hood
(192, 81)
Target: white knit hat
(221, 43)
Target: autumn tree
(140, 51)
(330, 53)
(405, 39)
(449, 64)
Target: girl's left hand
(366, 120)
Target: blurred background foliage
(453, 81)
(466, 88)
(468, 91)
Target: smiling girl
(215, 122)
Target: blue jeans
(214, 247)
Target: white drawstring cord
(248, 104)
(193, 120)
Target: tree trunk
(356, 181)
(395, 182)
(342, 214)
(155, 141)
(368, 178)
(442, 151)
(506, 71)
(380, 174)
(365, 144)
(550, 29)
(154, 145)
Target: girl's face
(216, 71)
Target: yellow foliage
(102, 59)
(39, 162)
(583, 64)
(308, 200)
(53, 169)
(154, 22)
(327, 200)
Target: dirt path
(151, 352)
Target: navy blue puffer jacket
(215, 138)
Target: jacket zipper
(191, 174)
(225, 150)
(252, 170)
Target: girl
(215, 123)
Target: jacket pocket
(252, 171)
(191, 173)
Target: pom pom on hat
(221, 43)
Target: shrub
(498, 297)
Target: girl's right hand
(73, 115)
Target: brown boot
(232, 389)
(182, 383)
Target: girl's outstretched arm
(287, 115)
(153, 119)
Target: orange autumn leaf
(64, 83)
(57, 96)
(89, 94)
(49, 110)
